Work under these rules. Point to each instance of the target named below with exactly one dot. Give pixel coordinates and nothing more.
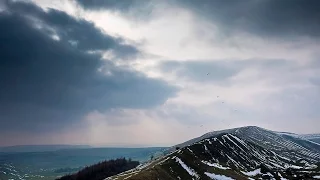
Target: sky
(155, 73)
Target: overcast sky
(155, 73)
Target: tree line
(102, 170)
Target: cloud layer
(157, 72)
(272, 18)
(49, 75)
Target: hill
(240, 153)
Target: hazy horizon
(93, 146)
(119, 145)
(155, 72)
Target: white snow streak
(252, 173)
(217, 177)
(295, 167)
(142, 166)
(188, 169)
(216, 165)
(268, 173)
(190, 150)
(233, 142)
(205, 147)
(241, 141)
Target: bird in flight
(207, 74)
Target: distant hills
(240, 153)
(40, 148)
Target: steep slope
(225, 156)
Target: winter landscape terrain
(241, 153)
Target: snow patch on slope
(216, 165)
(295, 167)
(205, 147)
(252, 173)
(217, 177)
(188, 169)
(190, 150)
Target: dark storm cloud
(278, 18)
(284, 18)
(219, 70)
(46, 83)
(83, 33)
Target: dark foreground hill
(241, 153)
(102, 170)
